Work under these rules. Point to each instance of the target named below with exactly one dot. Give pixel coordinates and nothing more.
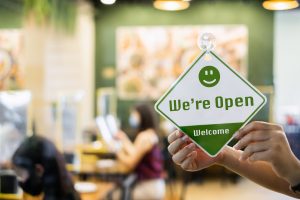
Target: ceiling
(98, 4)
(17, 5)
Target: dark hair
(148, 117)
(56, 180)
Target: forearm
(129, 155)
(128, 146)
(126, 160)
(259, 172)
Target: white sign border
(156, 106)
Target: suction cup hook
(207, 42)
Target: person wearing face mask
(41, 170)
(143, 156)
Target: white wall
(287, 62)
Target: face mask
(133, 121)
(33, 185)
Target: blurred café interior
(82, 76)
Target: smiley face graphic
(209, 76)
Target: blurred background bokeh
(73, 70)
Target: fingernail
(236, 146)
(191, 146)
(177, 134)
(185, 138)
(236, 135)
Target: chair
(125, 187)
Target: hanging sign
(209, 102)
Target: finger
(252, 126)
(253, 136)
(256, 125)
(176, 145)
(175, 135)
(254, 148)
(188, 162)
(260, 156)
(187, 139)
(181, 155)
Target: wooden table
(88, 168)
(113, 176)
(10, 196)
(99, 152)
(117, 174)
(102, 189)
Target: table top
(102, 189)
(10, 196)
(88, 168)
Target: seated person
(41, 170)
(143, 156)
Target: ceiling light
(171, 5)
(280, 4)
(108, 2)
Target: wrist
(293, 177)
(221, 158)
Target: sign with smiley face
(209, 76)
(209, 102)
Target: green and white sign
(209, 102)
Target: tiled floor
(216, 190)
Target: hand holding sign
(263, 141)
(186, 154)
(195, 105)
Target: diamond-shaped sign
(209, 102)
